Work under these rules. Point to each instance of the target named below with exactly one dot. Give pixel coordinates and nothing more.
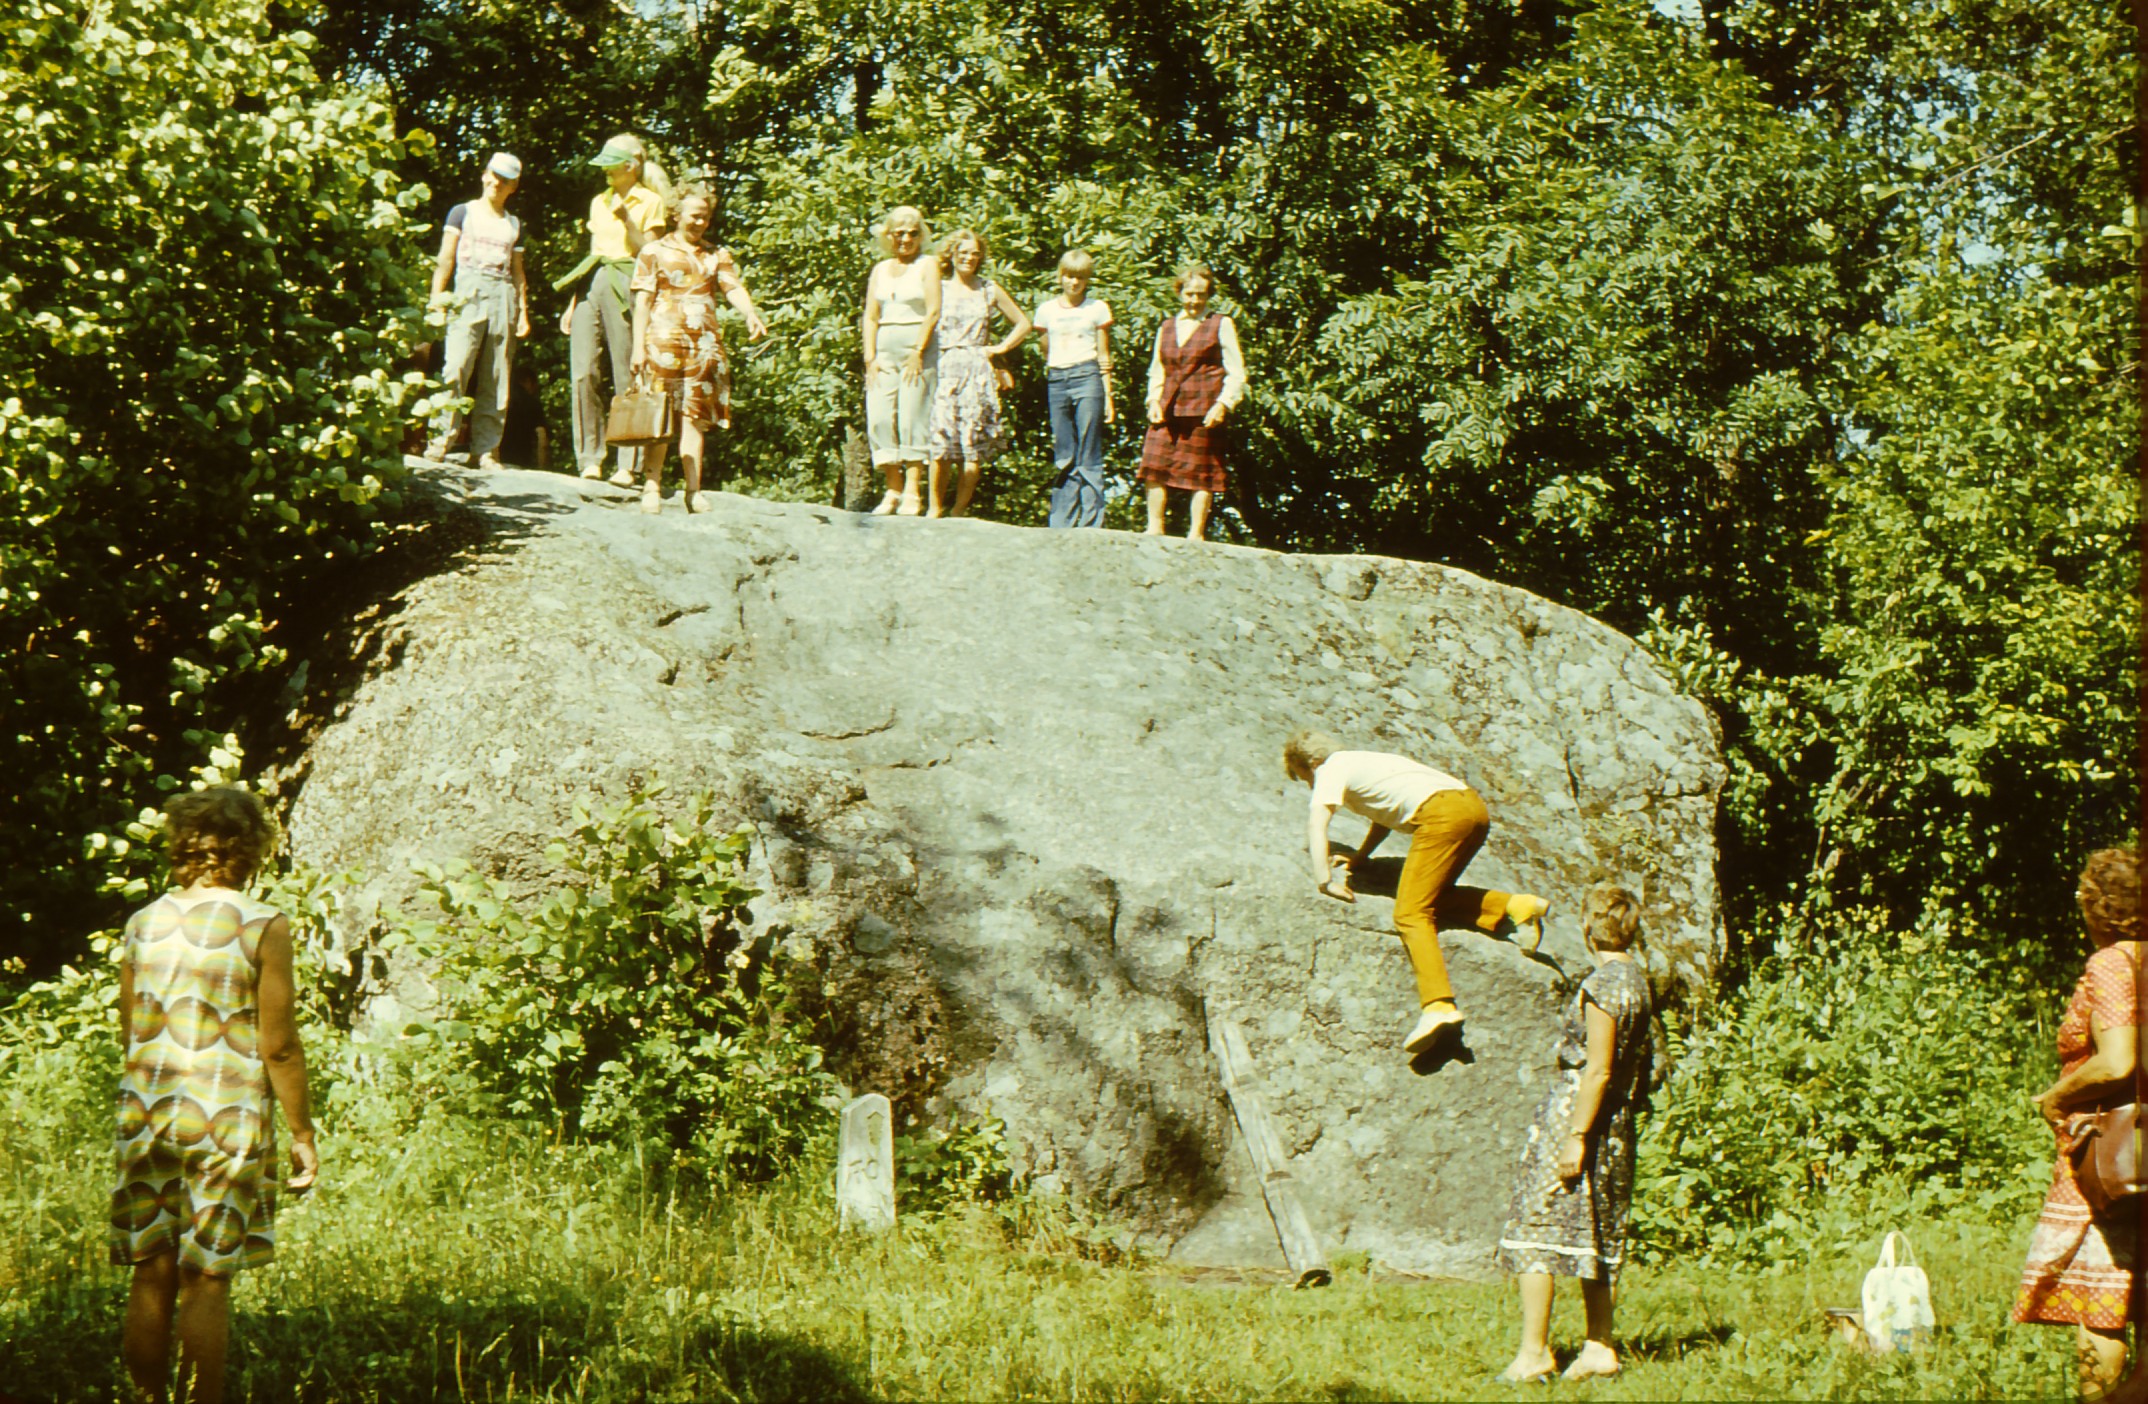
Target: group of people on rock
(644, 310)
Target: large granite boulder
(1018, 793)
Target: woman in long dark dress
(1568, 1215)
(2081, 1264)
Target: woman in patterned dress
(2080, 1266)
(1196, 377)
(676, 281)
(205, 996)
(1568, 1215)
(965, 407)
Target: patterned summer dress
(196, 1146)
(965, 411)
(1578, 1229)
(2080, 1268)
(686, 350)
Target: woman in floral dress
(965, 408)
(676, 281)
(2081, 1264)
(206, 995)
(1568, 1216)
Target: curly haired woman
(206, 994)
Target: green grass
(464, 1261)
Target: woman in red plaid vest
(1196, 378)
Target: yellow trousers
(1450, 828)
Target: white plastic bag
(1898, 1301)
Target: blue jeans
(1076, 396)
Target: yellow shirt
(607, 231)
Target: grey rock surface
(1018, 791)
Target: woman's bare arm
(641, 330)
(2114, 1062)
(869, 324)
(915, 365)
(276, 997)
(1017, 319)
(1589, 1095)
(444, 266)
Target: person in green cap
(599, 321)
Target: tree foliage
(206, 287)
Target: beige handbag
(640, 416)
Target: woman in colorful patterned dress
(1196, 379)
(205, 993)
(676, 282)
(2080, 1267)
(965, 407)
(1568, 1216)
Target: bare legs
(693, 449)
(1197, 519)
(1534, 1358)
(965, 488)
(902, 498)
(1197, 513)
(2102, 1358)
(204, 1327)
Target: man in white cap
(480, 249)
(1447, 824)
(599, 323)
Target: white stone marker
(865, 1166)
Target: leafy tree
(207, 291)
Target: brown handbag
(2107, 1159)
(641, 415)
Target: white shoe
(594, 470)
(623, 478)
(696, 502)
(490, 463)
(652, 500)
(1429, 1025)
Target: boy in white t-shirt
(1446, 822)
(1076, 331)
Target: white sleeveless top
(901, 293)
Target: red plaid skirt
(1183, 453)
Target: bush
(628, 1003)
(209, 286)
(1857, 1082)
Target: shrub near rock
(209, 282)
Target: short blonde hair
(1191, 270)
(221, 835)
(1611, 918)
(1077, 262)
(1307, 750)
(905, 214)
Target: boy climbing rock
(1446, 822)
